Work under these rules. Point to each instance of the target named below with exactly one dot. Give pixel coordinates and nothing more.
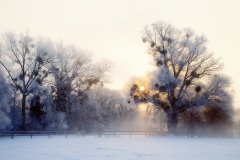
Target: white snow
(117, 148)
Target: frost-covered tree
(15, 110)
(5, 92)
(114, 109)
(186, 74)
(72, 76)
(217, 121)
(25, 62)
(37, 113)
(87, 116)
(50, 119)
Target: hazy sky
(111, 29)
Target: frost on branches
(187, 76)
(5, 93)
(26, 62)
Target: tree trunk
(192, 124)
(172, 119)
(23, 112)
(191, 128)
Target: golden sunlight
(142, 107)
(142, 88)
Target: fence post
(114, 134)
(12, 134)
(99, 134)
(130, 134)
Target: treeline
(52, 86)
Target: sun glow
(142, 107)
(142, 88)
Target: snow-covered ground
(120, 148)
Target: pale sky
(111, 29)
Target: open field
(122, 147)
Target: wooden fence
(50, 134)
(82, 133)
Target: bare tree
(25, 62)
(186, 76)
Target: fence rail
(83, 134)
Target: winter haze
(119, 79)
(112, 29)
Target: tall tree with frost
(5, 92)
(25, 62)
(186, 76)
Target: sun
(142, 88)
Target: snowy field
(118, 148)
